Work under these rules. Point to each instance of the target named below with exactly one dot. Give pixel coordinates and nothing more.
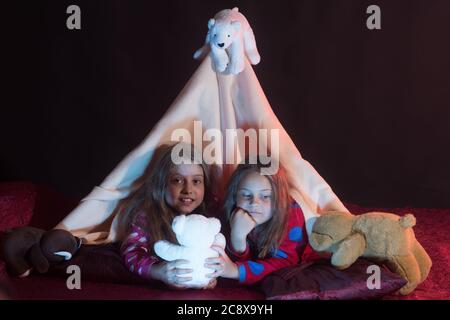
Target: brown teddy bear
(383, 237)
(28, 248)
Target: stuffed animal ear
(236, 9)
(211, 23)
(214, 225)
(178, 224)
(236, 25)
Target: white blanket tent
(221, 102)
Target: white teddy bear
(195, 234)
(229, 38)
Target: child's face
(185, 188)
(255, 196)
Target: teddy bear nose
(221, 44)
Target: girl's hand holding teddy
(222, 265)
(242, 223)
(170, 273)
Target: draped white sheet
(221, 102)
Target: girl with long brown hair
(267, 227)
(169, 190)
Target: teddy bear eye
(215, 35)
(228, 36)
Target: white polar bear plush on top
(229, 38)
(195, 234)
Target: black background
(370, 109)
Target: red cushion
(104, 276)
(17, 201)
(319, 280)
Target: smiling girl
(170, 190)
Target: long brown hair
(150, 197)
(270, 234)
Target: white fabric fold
(220, 102)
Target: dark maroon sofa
(24, 203)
